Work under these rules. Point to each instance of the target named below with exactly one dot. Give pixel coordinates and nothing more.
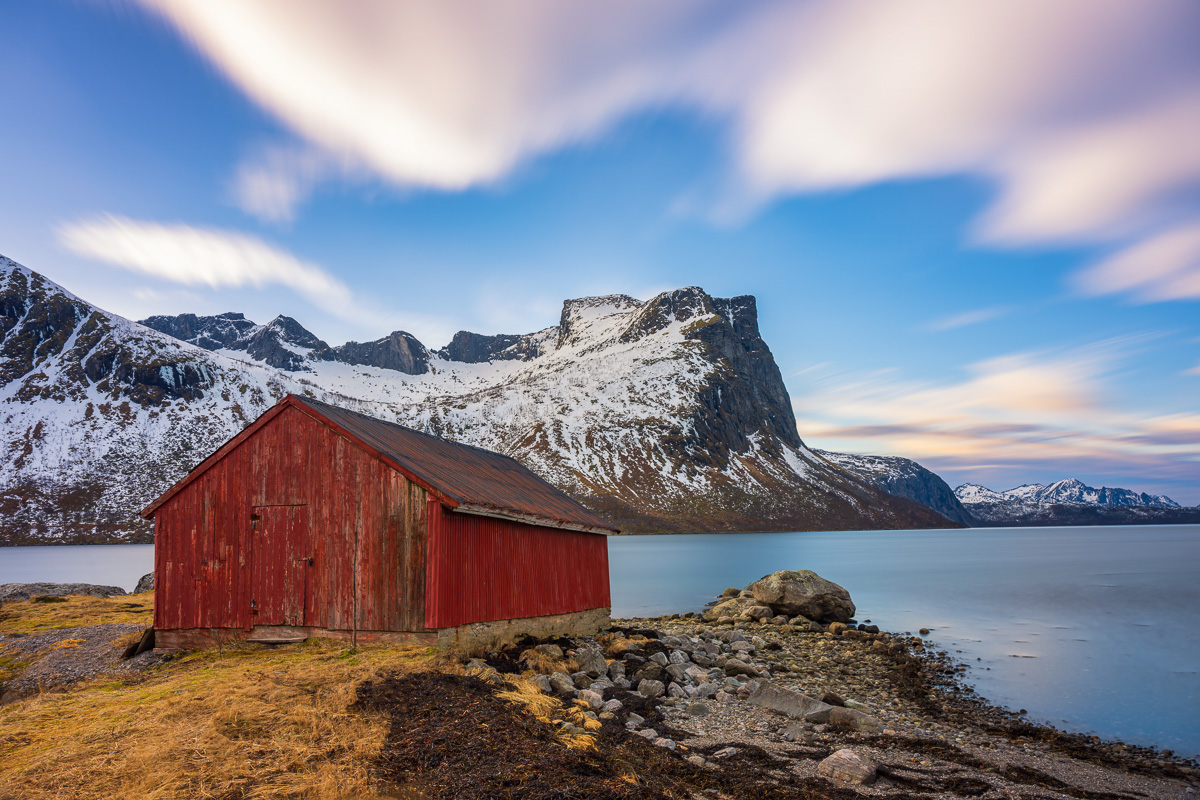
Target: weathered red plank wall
(205, 546)
(482, 569)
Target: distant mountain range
(663, 415)
(1069, 502)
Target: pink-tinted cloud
(1039, 413)
(1165, 266)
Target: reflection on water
(1088, 628)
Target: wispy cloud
(966, 318)
(273, 181)
(1163, 267)
(1083, 112)
(209, 257)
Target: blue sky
(973, 229)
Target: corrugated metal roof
(469, 475)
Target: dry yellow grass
(540, 662)
(27, 616)
(243, 722)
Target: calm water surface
(1091, 629)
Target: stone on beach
(848, 766)
(805, 593)
(793, 704)
(591, 661)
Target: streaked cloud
(1082, 112)
(209, 257)
(966, 318)
(1163, 267)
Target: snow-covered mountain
(1069, 502)
(903, 477)
(668, 414)
(1070, 491)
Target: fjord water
(1090, 629)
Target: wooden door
(279, 561)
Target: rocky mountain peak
(580, 317)
(476, 348)
(399, 351)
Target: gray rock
(696, 675)
(725, 752)
(679, 657)
(849, 718)
(757, 612)
(622, 683)
(613, 706)
(660, 659)
(707, 689)
(676, 671)
(675, 690)
(793, 704)
(549, 650)
(696, 760)
(803, 592)
(145, 583)
(616, 671)
(562, 684)
(592, 662)
(648, 671)
(733, 607)
(741, 647)
(698, 709)
(665, 742)
(735, 667)
(593, 699)
(601, 685)
(648, 733)
(636, 719)
(651, 689)
(581, 679)
(849, 767)
(702, 659)
(24, 591)
(542, 683)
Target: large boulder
(145, 583)
(803, 592)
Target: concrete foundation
(463, 637)
(477, 634)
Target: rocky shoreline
(841, 700)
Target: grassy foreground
(240, 721)
(235, 722)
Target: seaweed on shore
(450, 736)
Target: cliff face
(665, 415)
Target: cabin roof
(465, 478)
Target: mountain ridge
(666, 415)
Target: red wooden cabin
(318, 521)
